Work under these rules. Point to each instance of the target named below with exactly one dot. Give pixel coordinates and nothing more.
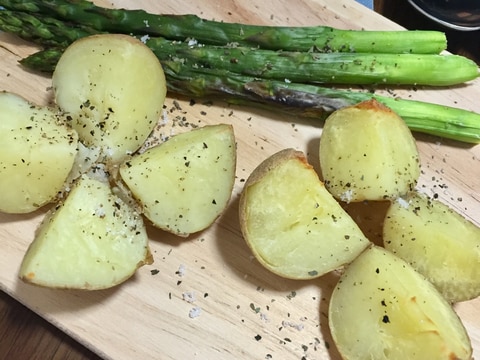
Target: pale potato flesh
(37, 152)
(383, 309)
(437, 242)
(367, 152)
(113, 88)
(185, 183)
(91, 241)
(293, 225)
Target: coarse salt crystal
(194, 312)
(403, 203)
(189, 296)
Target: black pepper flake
(154, 271)
(254, 308)
(385, 319)
(291, 295)
(258, 337)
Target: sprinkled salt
(189, 296)
(144, 38)
(194, 312)
(403, 203)
(192, 42)
(181, 270)
(347, 196)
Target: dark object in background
(466, 43)
(462, 15)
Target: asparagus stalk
(305, 67)
(42, 30)
(181, 27)
(333, 68)
(311, 101)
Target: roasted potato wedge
(37, 152)
(367, 152)
(112, 88)
(438, 242)
(383, 309)
(185, 183)
(293, 225)
(93, 240)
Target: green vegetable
(304, 67)
(305, 100)
(334, 68)
(181, 27)
(198, 71)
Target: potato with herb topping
(367, 152)
(37, 152)
(112, 88)
(383, 309)
(438, 242)
(185, 183)
(93, 240)
(293, 225)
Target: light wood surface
(246, 312)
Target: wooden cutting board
(244, 312)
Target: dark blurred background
(466, 43)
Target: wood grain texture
(246, 312)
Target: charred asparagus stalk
(311, 101)
(188, 78)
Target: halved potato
(37, 152)
(383, 309)
(367, 152)
(437, 242)
(112, 87)
(293, 225)
(91, 241)
(185, 183)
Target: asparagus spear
(333, 68)
(338, 68)
(42, 30)
(181, 27)
(300, 99)
(308, 100)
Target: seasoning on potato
(93, 240)
(112, 87)
(382, 308)
(37, 152)
(185, 183)
(438, 242)
(367, 152)
(293, 225)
